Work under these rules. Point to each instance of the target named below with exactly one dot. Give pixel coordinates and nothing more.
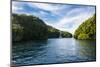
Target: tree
(87, 28)
(29, 28)
(83, 36)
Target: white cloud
(43, 6)
(48, 7)
(75, 20)
(15, 7)
(53, 8)
(74, 16)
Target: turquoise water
(57, 50)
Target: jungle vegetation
(87, 30)
(29, 27)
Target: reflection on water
(59, 50)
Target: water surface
(56, 50)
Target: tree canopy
(87, 30)
(29, 27)
(26, 27)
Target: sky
(65, 17)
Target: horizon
(64, 17)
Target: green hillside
(27, 27)
(55, 33)
(87, 30)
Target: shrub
(83, 36)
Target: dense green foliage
(52, 32)
(66, 34)
(17, 32)
(27, 27)
(55, 33)
(87, 30)
(83, 36)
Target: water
(58, 50)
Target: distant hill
(55, 33)
(29, 27)
(87, 30)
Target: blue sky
(61, 16)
